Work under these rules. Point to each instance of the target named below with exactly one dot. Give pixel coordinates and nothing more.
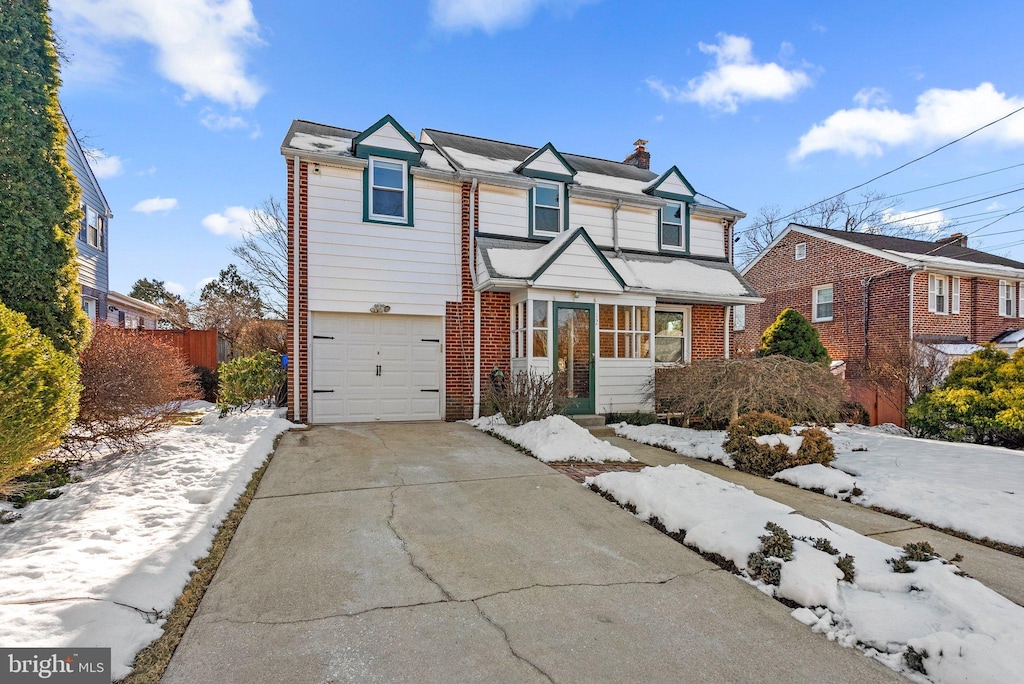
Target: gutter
(471, 261)
(295, 246)
(615, 228)
(323, 158)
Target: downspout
(615, 227)
(471, 260)
(867, 316)
(295, 284)
(728, 311)
(913, 274)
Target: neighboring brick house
(417, 268)
(861, 289)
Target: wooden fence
(197, 347)
(882, 406)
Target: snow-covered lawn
(963, 631)
(554, 439)
(975, 489)
(74, 569)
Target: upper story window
(938, 297)
(823, 303)
(673, 226)
(91, 232)
(388, 190)
(801, 251)
(1007, 298)
(547, 208)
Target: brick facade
(300, 356)
(708, 330)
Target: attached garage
(375, 367)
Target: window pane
(824, 295)
(672, 213)
(668, 323)
(546, 220)
(668, 349)
(546, 195)
(625, 346)
(388, 202)
(540, 314)
(644, 314)
(607, 343)
(540, 342)
(606, 317)
(625, 318)
(643, 346)
(671, 235)
(824, 310)
(387, 175)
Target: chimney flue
(958, 239)
(640, 158)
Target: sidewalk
(999, 571)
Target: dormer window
(547, 207)
(388, 188)
(673, 218)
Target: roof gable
(672, 185)
(86, 177)
(547, 163)
(387, 137)
(578, 263)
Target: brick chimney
(640, 158)
(956, 239)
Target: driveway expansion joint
(402, 484)
(902, 529)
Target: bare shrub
(899, 363)
(132, 386)
(261, 335)
(717, 391)
(527, 396)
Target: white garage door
(367, 367)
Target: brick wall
(495, 332)
(708, 330)
(300, 356)
(979, 320)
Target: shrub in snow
(527, 396)
(981, 400)
(793, 335)
(816, 448)
(846, 564)
(639, 418)
(717, 391)
(760, 443)
(249, 379)
(920, 551)
(38, 394)
(133, 385)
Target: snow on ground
(703, 444)
(128, 533)
(818, 477)
(554, 439)
(967, 487)
(966, 632)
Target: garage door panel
(348, 362)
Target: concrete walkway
(434, 553)
(999, 571)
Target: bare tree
(263, 253)
(767, 226)
(899, 363)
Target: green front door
(574, 354)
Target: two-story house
(419, 267)
(862, 290)
(93, 245)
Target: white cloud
(869, 97)
(995, 206)
(175, 288)
(737, 77)
(205, 281)
(940, 115)
(155, 204)
(235, 221)
(228, 122)
(490, 16)
(928, 220)
(200, 45)
(147, 172)
(818, 28)
(104, 166)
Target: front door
(574, 354)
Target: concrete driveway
(430, 552)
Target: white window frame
(90, 306)
(632, 331)
(1020, 300)
(739, 317)
(404, 218)
(533, 328)
(800, 253)
(559, 192)
(814, 303)
(954, 294)
(934, 282)
(1007, 299)
(687, 312)
(519, 329)
(683, 209)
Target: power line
(898, 168)
(955, 206)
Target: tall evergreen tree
(39, 198)
(793, 335)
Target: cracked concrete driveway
(433, 553)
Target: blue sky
(758, 104)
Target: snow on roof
(432, 159)
(1010, 337)
(679, 275)
(479, 162)
(940, 261)
(326, 144)
(614, 183)
(964, 349)
(523, 263)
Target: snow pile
(792, 442)
(702, 444)
(819, 478)
(962, 630)
(75, 569)
(554, 439)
